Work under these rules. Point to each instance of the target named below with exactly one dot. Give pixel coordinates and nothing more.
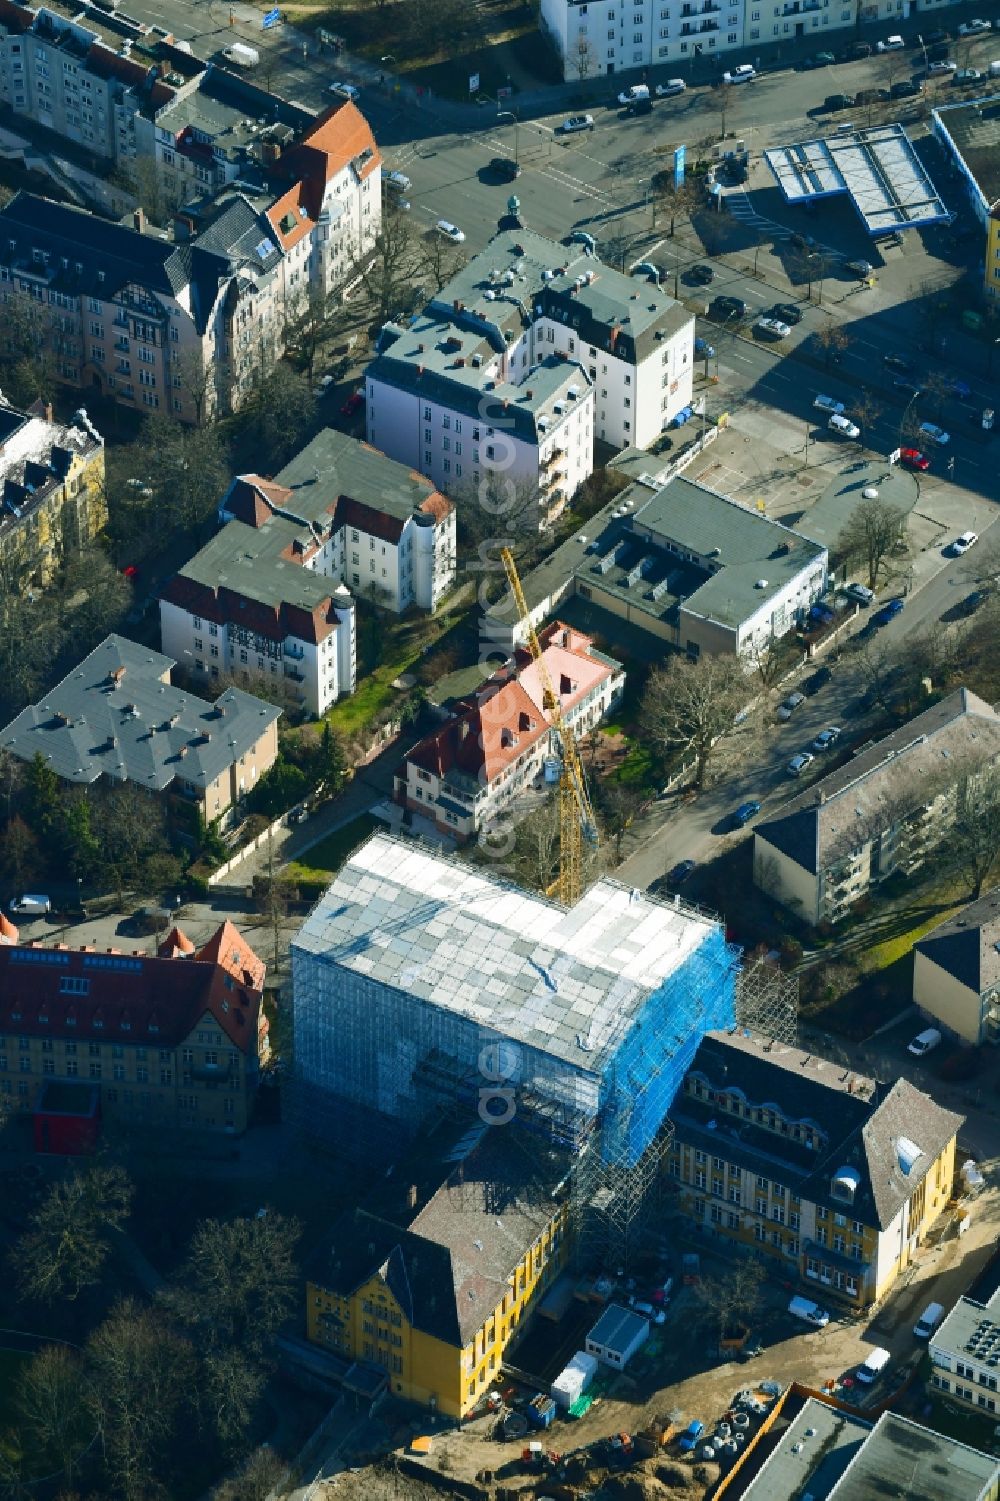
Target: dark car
(909, 387)
(802, 242)
(786, 312)
(728, 307)
(821, 613)
(859, 49)
(838, 101)
(505, 168)
(933, 38)
(680, 872)
(700, 275)
(906, 88)
(872, 96)
(967, 606)
(888, 612)
(819, 60)
(938, 52)
(354, 402)
(816, 680)
(896, 362)
(745, 812)
(641, 106)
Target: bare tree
(832, 340)
(439, 258)
(52, 1408)
(689, 706)
(732, 1299)
(312, 322)
(585, 58)
(68, 1239)
(865, 411)
(975, 844)
(675, 201)
(723, 98)
(617, 804)
(391, 267)
(874, 530)
(239, 1283)
(256, 1478)
(536, 845)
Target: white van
(31, 906)
(242, 55)
(873, 1366)
(809, 1312)
(928, 1321)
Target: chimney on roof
(411, 1197)
(115, 676)
(457, 305)
(420, 349)
(139, 220)
(47, 409)
(506, 403)
(420, 369)
(529, 393)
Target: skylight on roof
(264, 249)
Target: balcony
(295, 675)
(800, 7)
(208, 1072)
(297, 653)
(122, 345)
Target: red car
(353, 402)
(912, 458)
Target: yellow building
(52, 488)
(834, 1176)
(993, 253)
(956, 972)
(434, 1296)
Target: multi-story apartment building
(432, 1292)
(882, 812)
(835, 1177)
(270, 593)
(597, 37)
(956, 972)
(539, 349)
(52, 490)
(117, 715)
(171, 1040)
(74, 74)
(967, 132)
(965, 1348)
(466, 774)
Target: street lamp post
(508, 114)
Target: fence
(220, 875)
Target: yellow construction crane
(576, 814)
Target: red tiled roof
(155, 1000)
(341, 136)
(175, 944)
(222, 605)
(253, 499)
(348, 512)
(16, 17)
(292, 211)
(8, 932)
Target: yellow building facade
(993, 254)
(52, 480)
(818, 1168)
(435, 1306)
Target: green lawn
(881, 955)
(331, 852)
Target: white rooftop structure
(563, 982)
(878, 169)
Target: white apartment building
(468, 773)
(965, 1349)
(597, 37)
(536, 349)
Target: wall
(785, 880)
(943, 999)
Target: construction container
(574, 1379)
(541, 1411)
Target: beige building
(117, 715)
(882, 812)
(956, 972)
(52, 490)
(174, 1039)
(834, 1177)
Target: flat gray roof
(877, 168)
(617, 1327)
(563, 982)
(902, 1458)
(973, 128)
(810, 1456)
(117, 714)
(248, 560)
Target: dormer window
(844, 1184)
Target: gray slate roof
(860, 1123)
(347, 467)
(116, 714)
(967, 945)
(884, 783)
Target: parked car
(889, 611)
(924, 1042)
(943, 65)
(672, 86)
(30, 906)
(935, 37)
(789, 705)
(809, 1312)
(873, 1366)
(700, 275)
(826, 739)
(965, 607)
(973, 28)
(728, 307)
(861, 593)
(397, 181)
(689, 1438)
(353, 403)
(858, 50)
(844, 426)
(821, 613)
(906, 88)
(960, 389)
(640, 105)
(346, 91)
(816, 680)
(838, 101)
(745, 812)
(575, 123)
(872, 96)
(637, 91)
(891, 44)
(962, 544)
(787, 312)
(908, 385)
(966, 75)
(912, 458)
(450, 231)
(680, 872)
(798, 764)
(505, 167)
(934, 434)
(743, 74)
(802, 242)
(829, 404)
(819, 60)
(703, 350)
(861, 268)
(772, 328)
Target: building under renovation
(425, 988)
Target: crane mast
(576, 813)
